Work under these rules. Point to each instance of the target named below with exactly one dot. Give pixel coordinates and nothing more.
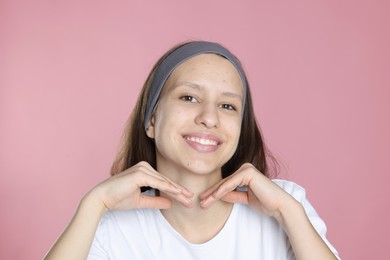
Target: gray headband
(178, 56)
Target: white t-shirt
(247, 234)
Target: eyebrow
(200, 87)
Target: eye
(189, 98)
(228, 107)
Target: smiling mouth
(201, 141)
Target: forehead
(207, 66)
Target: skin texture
(202, 98)
(195, 127)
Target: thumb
(236, 196)
(154, 202)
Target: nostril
(207, 121)
(208, 116)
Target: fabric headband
(178, 56)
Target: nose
(208, 116)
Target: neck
(197, 183)
(196, 224)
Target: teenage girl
(191, 180)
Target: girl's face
(197, 122)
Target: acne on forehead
(202, 64)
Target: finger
(238, 179)
(225, 187)
(176, 194)
(174, 188)
(209, 197)
(161, 185)
(169, 189)
(230, 185)
(236, 197)
(187, 193)
(186, 202)
(210, 191)
(155, 174)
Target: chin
(203, 168)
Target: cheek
(234, 126)
(235, 131)
(166, 122)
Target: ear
(150, 128)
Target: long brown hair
(136, 146)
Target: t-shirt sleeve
(299, 194)
(97, 251)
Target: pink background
(71, 71)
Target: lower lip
(201, 147)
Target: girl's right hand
(123, 191)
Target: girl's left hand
(262, 194)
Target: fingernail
(201, 203)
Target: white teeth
(201, 141)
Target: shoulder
(288, 185)
(298, 193)
(116, 220)
(126, 225)
(295, 190)
(124, 232)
